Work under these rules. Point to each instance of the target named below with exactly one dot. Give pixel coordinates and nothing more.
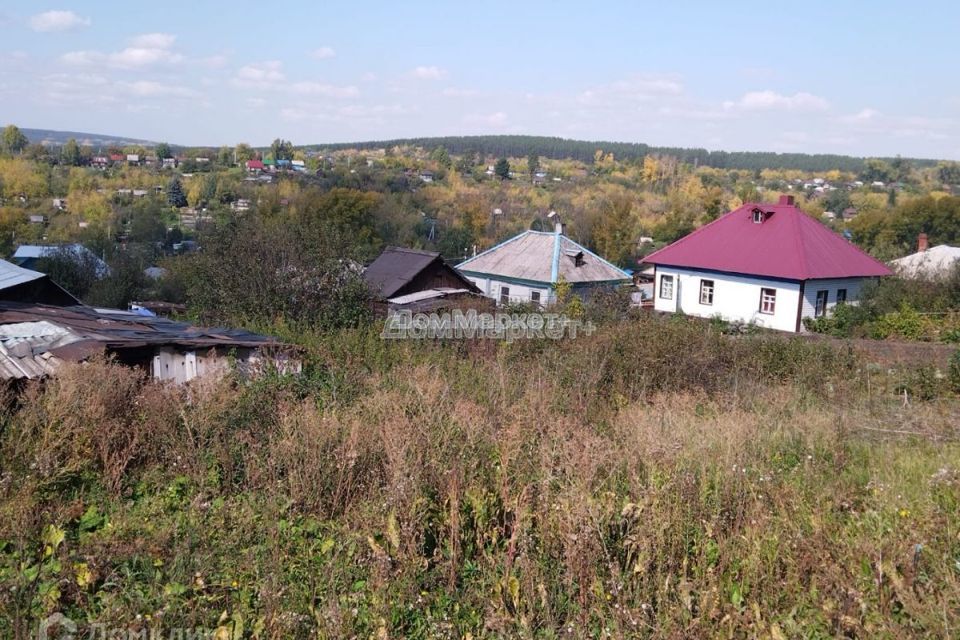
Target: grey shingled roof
(542, 256)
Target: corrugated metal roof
(786, 244)
(546, 257)
(26, 348)
(35, 338)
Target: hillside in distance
(583, 150)
(56, 138)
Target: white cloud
(318, 88)
(772, 101)
(215, 61)
(428, 73)
(863, 116)
(452, 92)
(636, 89)
(50, 21)
(497, 119)
(144, 50)
(153, 41)
(260, 74)
(150, 89)
(323, 53)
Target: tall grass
(655, 479)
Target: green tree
(876, 170)
(13, 140)
(243, 152)
(902, 169)
(225, 156)
(70, 154)
(502, 169)
(282, 149)
(466, 162)
(175, 195)
(533, 163)
(163, 151)
(837, 201)
(441, 156)
(949, 172)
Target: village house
(254, 166)
(528, 267)
(42, 326)
(37, 339)
(413, 279)
(28, 255)
(766, 264)
(935, 263)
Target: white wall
(852, 285)
(735, 298)
(518, 292)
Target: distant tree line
(562, 148)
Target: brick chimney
(786, 200)
(922, 243)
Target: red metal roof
(254, 164)
(787, 244)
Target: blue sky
(856, 78)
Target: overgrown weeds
(655, 479)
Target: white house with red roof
(767, 264)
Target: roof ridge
(696, 231)
(798, 240)
(598, 257)
(494, 247)
(423, 252)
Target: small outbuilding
(413, 278)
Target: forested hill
(57, 138)
(561, 148)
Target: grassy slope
(653, 480)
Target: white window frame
(666, 280)
(707, 290)
(768, 301)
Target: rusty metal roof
(35, 338)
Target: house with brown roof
(415, 279)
